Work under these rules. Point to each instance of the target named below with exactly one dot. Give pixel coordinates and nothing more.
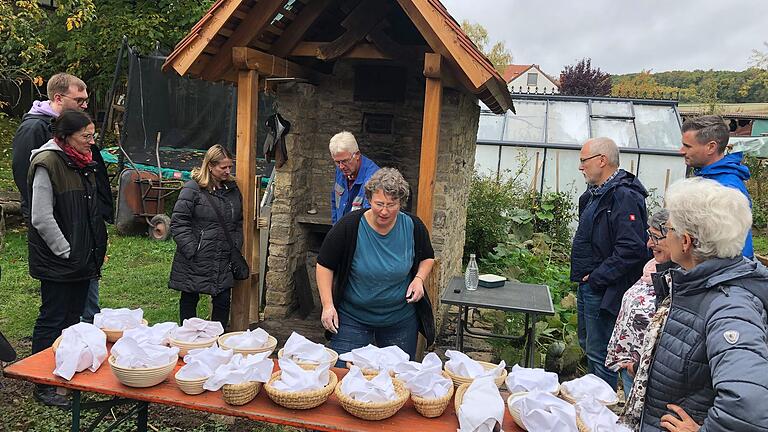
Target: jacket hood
(50, 145)
(729, 164)
(717, 271)
(624, 178)
(42, 108)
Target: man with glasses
(609, 248)
(353, 170)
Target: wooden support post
(247, 111)
(430, 137)
(557, 171)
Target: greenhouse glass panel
(568, 123)
(613, 109)
(490, 127)
(620, 131)
(528, 124)
(657, 127)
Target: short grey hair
(718, 217)
(709, 128)
(391, 182)
(606, 147)
(658, 219)
(343, 142)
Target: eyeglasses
(655, 238)
(87, 137)
(389, 206)
(78, 101)
(581, 161)
(346, 161)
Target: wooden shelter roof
(297, 38)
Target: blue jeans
(595, 328)
(91, 302)
(626, 381)
(354, 334)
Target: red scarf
(80, 160)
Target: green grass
(760, 242)
(8, 127)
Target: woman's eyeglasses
(655, 238)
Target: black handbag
(240, 269)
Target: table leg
(458, 329)
(142, 417)
(531, 346)
(75, 411)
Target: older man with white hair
(353, 170)
(609, 248)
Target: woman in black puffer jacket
(202, 260)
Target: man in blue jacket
(609, 248)
(353, 170)
(704, 141)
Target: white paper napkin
(597, 417)
(424, 379)
(481, 407)
(193, 370)
(118, 319)
(131, 354)
(197, 330)
(211, 356)
(301, 349)
(248, 339)
(542, 411)
(372, 357)
(293, 378)
(155, 335)
(83, 346)
(591, 385)
(378, 389)
(460, 364)
(531, 379)
(241, 369)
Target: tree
(22, 48)
(581, 80)
(642, 85)
(498, 54)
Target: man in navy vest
(353, 170)
(609, 248)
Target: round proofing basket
(113, 335)
(185, 347)
(564, 395)
(374, 410)
(332, 355)
(300, 399)
(519, 420)
(432, 407)
(269, 347)
(55, 345)
(191, 387)
(369, 372)
(460, 390)
(240, 394)
(459, 380)
(141, 377)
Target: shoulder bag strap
(222, 222)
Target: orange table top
(329, 416)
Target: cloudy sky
(623, 36)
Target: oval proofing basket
(300, 399)
(332, 355)
(270, 345)
(374, 410)
(141, 377)
(459, 379)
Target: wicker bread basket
(519, 420)
(300, 399)
(240, 394)
(374, 410)
(332, 355)
(113, 335)
(459, 379)
(564, 395)
(56, 344)
(369, 372)
(185, 347)
(269, 347)
(432, 407)
(191, 387)
(141, 377)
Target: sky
(623, 36)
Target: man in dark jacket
(704, 141)
(609, 248)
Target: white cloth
(460, 364)
(193, 370)
(83, 346)
(372, 357)
(378, 389)
(301, 349)
(531, 379)
(424, 379)
(597, 417)
(542, 411)
(155, 335)
(118, 319)
(212, 356)
(591, 385)
(241, 369)
(293, 378)
(129, 353)
(248, 339)
(197, 330)
(481, 407)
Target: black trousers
(220, 312)
(62, 304)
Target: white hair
(343, 142)
(605, 146)
(718, 217)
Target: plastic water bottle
(471, 274)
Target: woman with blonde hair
(202, 262)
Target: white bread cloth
(129, 353)
(301, 349)
(372, 357)
(481, 407)
(241, 369)
(83, 346)
(293, 378)
(531, 379)
(543, 411)
(378, 389)
(197, 330)
(118, 319)
(155, 335)
(460, 364)
(424, 379)
(591, 386)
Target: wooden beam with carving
(430, 136)
(364, 18)
(247, 112)
(259, 17)
(268, 65)
(363, 51)
(391, 48)
(298, 28)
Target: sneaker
(47, 395)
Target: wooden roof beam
(258, 18)
(268, 65)
(361, 21)
(363, 51)
(299, 27)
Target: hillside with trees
(698, 86)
